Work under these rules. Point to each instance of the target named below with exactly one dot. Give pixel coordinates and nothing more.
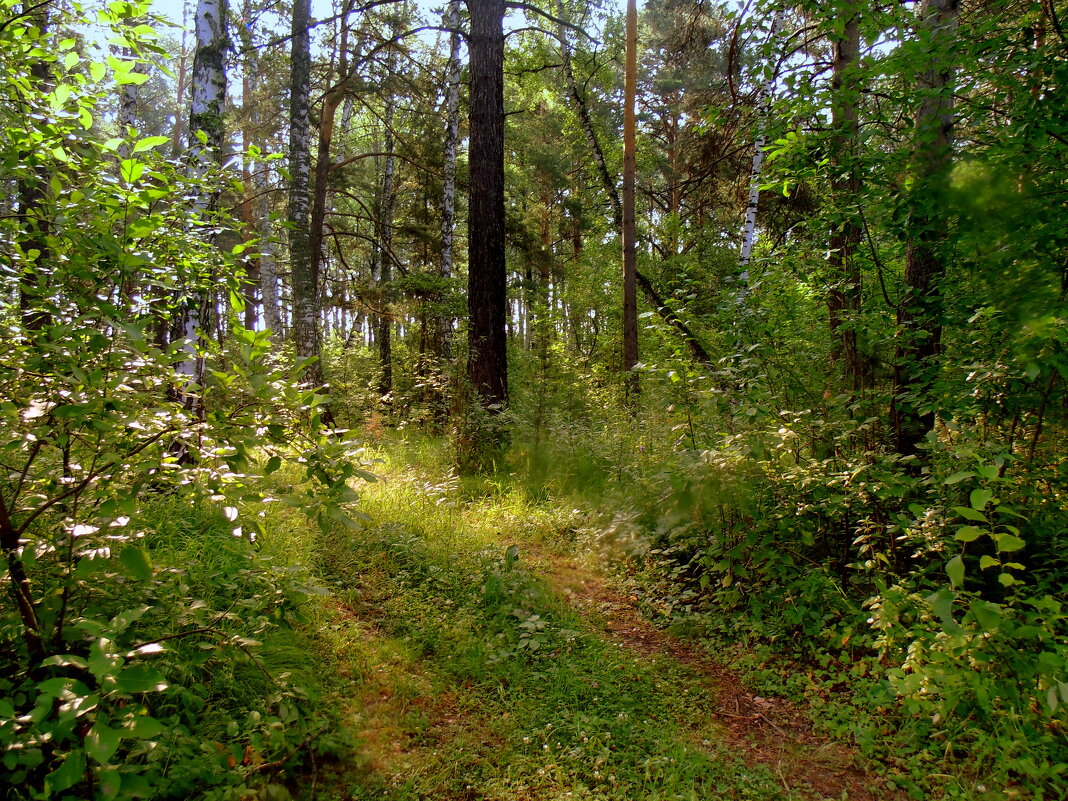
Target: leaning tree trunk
(630, 245)
(919, 312)
(303, 266)
(487, 364)
(844, 295)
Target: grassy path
(481, 660)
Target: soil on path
(767, 731)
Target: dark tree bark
(919, 313)
(630, 245)
(844, 295)
(487, 364)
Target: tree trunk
(385, 242)
(630, 245)
(844, 295)
(487, 282)
(303, 265)
(749, 229)
(919, 313)
(443, 336)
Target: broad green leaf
(958, 477)
(140, 679)
(1009, 542)
(988, 615)
(969, 533)
(101, 742)
(980, 498)
(66, 775)
(970, 514)
(71, 60)
(136, 562)
(142, 727)
(97, 71)
(150, 142)
(1006, 579)
(955, 571)
(272, 465)
(131, 170)
(85, 117)
(987, 562)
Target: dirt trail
(767, 731)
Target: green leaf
(958, 477)
(97, 71)
(1006, 579)
(969, 533)
(86, 118)
(71, 60)
(980, 498)
(101, 742)
(1009, 542)
(131, 170)
(942, 605)
(150, 142)
(143, 728)
(66, 775)
(136, 562)
(140, 679)
(987, 562)
(272, 465)
(988, 615)
(970, 514)
(955, 571)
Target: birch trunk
(206, 107)
(749, 229)
(303, 266)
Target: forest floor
(481, 656)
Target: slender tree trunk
(487, 280)
(385, 241)
(844, 295)
(303, 264)
(919, 314)
(630, 245)
(32, 191)
(443, 337)
(749, 229)
(206, 108)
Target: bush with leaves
(109, 656)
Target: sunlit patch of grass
(471, 678)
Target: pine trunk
(630, 247)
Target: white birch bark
(749, 230)
(207, 102)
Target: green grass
(470, 678)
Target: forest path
(767, 731)
(480, 660)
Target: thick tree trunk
(844, 295)
(487, 286)
(303, 266)
(630, 245)
(919, 313)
